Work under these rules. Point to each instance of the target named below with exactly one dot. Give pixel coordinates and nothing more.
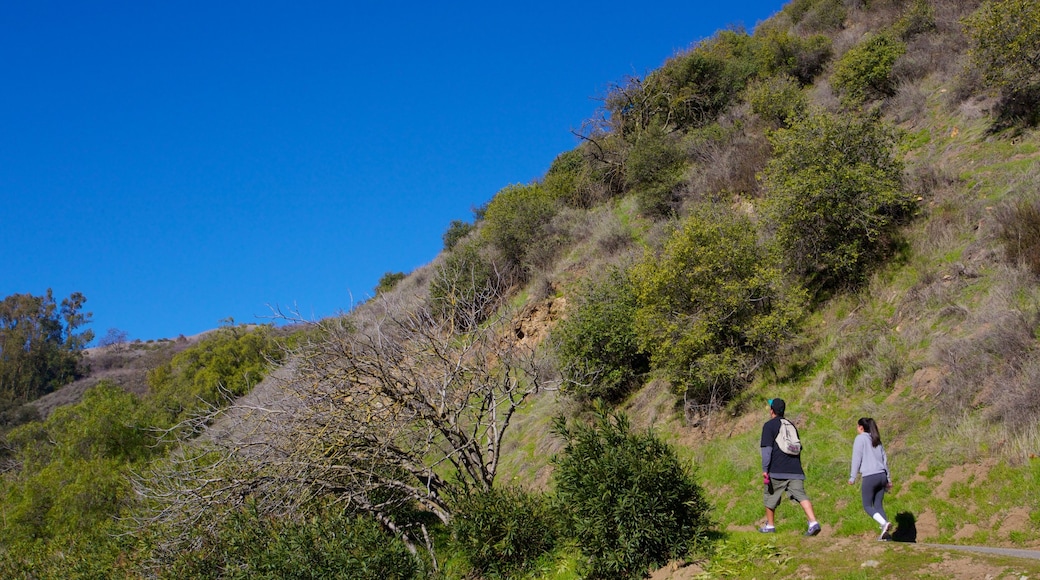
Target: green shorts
(795, 489)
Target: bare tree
(386, 410)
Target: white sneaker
(885, 529)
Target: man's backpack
(787, 440)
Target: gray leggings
(874, 493)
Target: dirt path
(1031, 554)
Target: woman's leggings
(874, 493)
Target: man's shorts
(795, 489)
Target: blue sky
(181, 163)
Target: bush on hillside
(712, 305)
(573, 180)
(1005, 44)
(629, 502)
(515, 220)
(655, 169)
(457, 230)
(689, 90)
(388, 281)
(596, 345)
(778, 100)
(835, 197)
(501, 533)
(817, 15)
(864, 72)
(781, 53)
(466, 286)
(228, 362)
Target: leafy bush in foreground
(502, 532)
(629, 502)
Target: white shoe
(885, 529)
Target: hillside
(840, 208)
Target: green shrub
(515, 220)
(712, 305)
(689, 90)
(777, 100)
(1005, 42)
(835, 197)
(782, 53)
(388, 281)
(457, 230)
(502, 532)
(629, 502)
(324, 546)
(230, 361)
(655, 169)
(465, 287)
(917, 18)
(817, 15)
(572, 180)
(596, 344)
(865, 70)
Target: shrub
(515, 218)
(629, 502)
(457, 230)
(1019, 233)
(781, 53)
(865, 70)
(230, 361)
(325, 546)
(817, 15)
(502, 532)
(388, 281)
(1005, 42)
(597, 345)
(690, 89)
(712, 306)
(917, 18)
(465, 286)
(572, 180)
(777, 100)
(655, 167)
(835, 197)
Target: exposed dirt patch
(958, 567)
(677, 571)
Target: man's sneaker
(885, 529)
(767, 529)
(813, 530)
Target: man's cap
(778, 406)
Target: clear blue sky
(184, 162)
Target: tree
(835, 196)
(40, 349)
(387, 411)
(712, 305)
(630, 503)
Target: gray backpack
(787, 440)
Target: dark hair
(870, 427)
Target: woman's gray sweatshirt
(867, 459)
